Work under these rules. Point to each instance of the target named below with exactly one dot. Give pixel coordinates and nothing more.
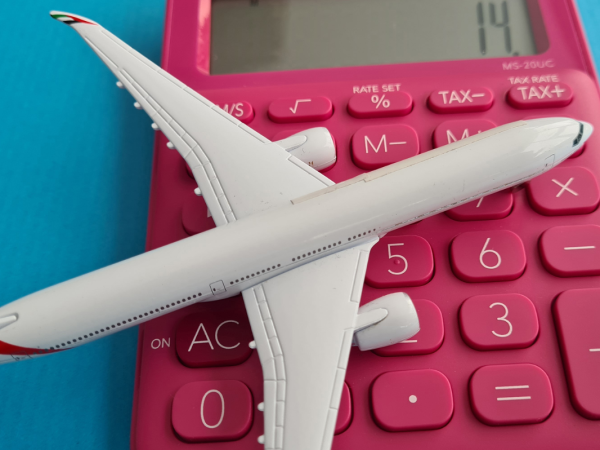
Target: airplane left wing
(303, 323)
(239, 172)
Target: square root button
(513, 394)
(412, 400)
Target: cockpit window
(579, 136)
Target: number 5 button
(495, 255)
(498, 322)
(399, 261)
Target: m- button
(380, 145)
(461, 100)
(563, 191)
(540, 96)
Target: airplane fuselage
(222, 262)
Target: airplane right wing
(303, 322)
(238, 171)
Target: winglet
(70, 19)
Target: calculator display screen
(271, 35)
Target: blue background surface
(75, 163)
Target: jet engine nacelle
(386, 321)
(314, 147)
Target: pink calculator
(507, 287)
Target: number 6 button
(496, 255)
(498, 322)
(399, 261)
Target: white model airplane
(292, 242)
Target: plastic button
(498, 322)
(377, 146)
(400, 261)
(344, 416)
(577, 315)
(456, 130)
(195, 216)
(300, 109)
(461, 100)
(242, 111)
(563, 191)
(427, 340)
(495, 255)
(209, 411)
(572, 251)
(540, 95)
(490, 207)
(363, 106)
(217, 336)
(412, 400)
(512, 394)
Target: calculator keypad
(483, 277)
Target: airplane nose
(587, 131)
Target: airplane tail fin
(70, 19)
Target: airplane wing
(303, 323)
(238, 171)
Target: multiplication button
(571, 251)
(564, 191)
(412, 400)
(577, 316)
(512, 394)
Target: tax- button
(210, 411)
(495, 255)
(498, 322)
(216, 336)
(571, 251)
(490, 207)
(513, 394)
(461, 100)
(563, 191)
(400, 261)
(412, 400)
(456, 130)
(390, 104)
(300, 109)
(540, 95)
(577, 315)
(377, 146)
(427, 340)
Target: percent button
(390, 104)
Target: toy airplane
(292, 242)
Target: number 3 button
(498, 322)
(399, 261)
(496, 255)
